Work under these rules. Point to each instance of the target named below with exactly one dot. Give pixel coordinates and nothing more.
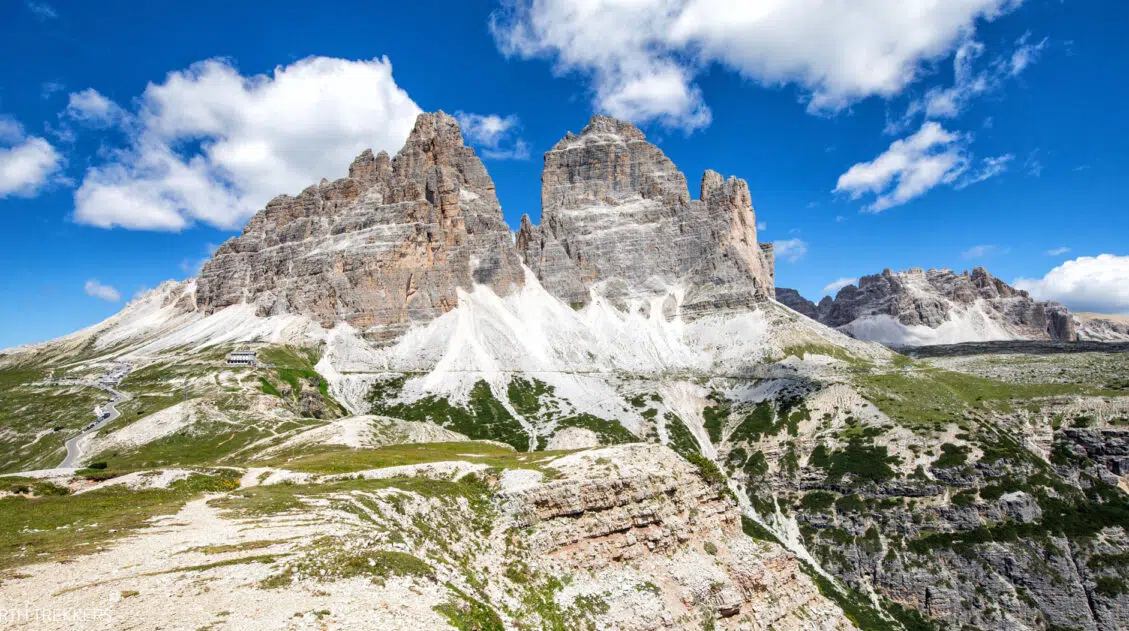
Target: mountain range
(611, 420)
(938, 306)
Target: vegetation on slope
(485, 417)
(35, 421)
(56, 527)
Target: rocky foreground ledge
(627, 537)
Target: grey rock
(793, 300)
(930, 298)
(387, 246)
(1101, 327)
(391, 244)
(617, 213)
(1108, 447)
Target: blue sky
(984, 132)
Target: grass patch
(608, 432)
(39, 419)
(300, 357)
(756, 531)
(330, 460)
(526, 396)
(863, 461)
(485, 418)
(709, 471)
(262, 558)
(715, 417)
(58, 527)
(799, 350)
(268, 388)
(32, 487)
(197, 445)
(679, 438)
(818, 501)
(267, 501)
(466, 613)
(233, 547)
(760, 421)
(327, 561)
(934, 396)
(951, 456)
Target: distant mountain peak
(936, 306)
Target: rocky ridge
(1101, 327)
(617, 213)
(955, 493)
(917, 306)
(393, 243)
(387, 246)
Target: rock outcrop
(617, 215)
(391, 244)
(1101, 328)
(385, 247)
(642, 509)
(936, 306)
(793, 300)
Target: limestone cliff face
(936, 298)
(642, 510)
(387, 246)
(392, 243)
(1101, 327)
(617, 213)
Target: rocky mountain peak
(616, 212)
(384, 247)
(600, 124)
(970, 306)
(392, 243)
(610, 162)
(368, 169)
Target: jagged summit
(936, 306)
(617, 213)
(391, 244)
(387, 246)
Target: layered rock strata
(617, 214)
(391, 244)
(387, 246)
(935, 297)
(642, 509)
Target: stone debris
(936, 306)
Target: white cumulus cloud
(790, 250)
(970, 82)
(834, 287)
(914, 165)
(91, 107)
(643, 56)
(908, 169)
(1088, 283)
(494, 135)
(211, 145)
(100, 291)
(27, 163)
